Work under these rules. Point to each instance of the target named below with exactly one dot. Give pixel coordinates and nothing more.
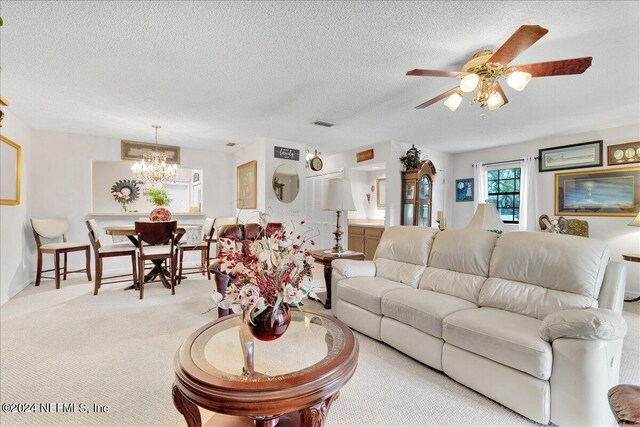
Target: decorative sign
(364, 155)
(286, 153)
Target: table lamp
(486, 218)
(338, 198)
(636, 221)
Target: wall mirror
(10, 156)
(381, 190)
(185, 191)
(286, 183)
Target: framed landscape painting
(604, 192)
(575, 156)
(247, 176)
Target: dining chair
(160, 238)
(203, 247)
(54, 229)
(109, 251)
(218, 223)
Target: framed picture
(464, 190)
(132, 150)
(603, 192)
(621, 154)
(381, 190)
(11, 165)
(576, 156)
(247, 185)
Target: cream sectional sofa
(530, 320)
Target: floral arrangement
(121, 198)
(265, 273)
(411, 159)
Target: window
(504, 192)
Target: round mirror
(286, 183)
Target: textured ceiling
(214, 72)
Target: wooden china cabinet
(417, 194)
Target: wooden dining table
(158, 270)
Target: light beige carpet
(67, 346)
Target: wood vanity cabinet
(365, 239)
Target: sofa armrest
(351, 268)
(612, 289)
(584, 324)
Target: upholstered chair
(50, 229)
(160, 238)
(125, 249)
(204, 247)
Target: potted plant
(411, 159)
(160, 198)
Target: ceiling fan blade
(521, 40)
(433, 73)
(498, 89)
(439, 97)
(562, 67)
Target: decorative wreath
(128, 187)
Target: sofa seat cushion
(422, 309)
(504, 337)
(367, 292)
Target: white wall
(61, 183)
(614, 230)
(276, 210)
(16, 239)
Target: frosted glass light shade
(636, 221)
(339, 196)
(518, 79)
(469, 82)
(495, 101)
(486, 218)
(453, 102)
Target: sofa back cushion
(459, 263)
(403, 253)
(536, 274)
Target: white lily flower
(292, 295)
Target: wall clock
(316, 164)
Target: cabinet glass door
(424, 201)
(408, 214)
(410, 190)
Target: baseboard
(16, 291)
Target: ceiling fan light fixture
(517, 79)
(469, 82)
(453, 102)
(495, 101)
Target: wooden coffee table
(296, 377)
(325, 257)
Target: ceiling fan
(481, 73)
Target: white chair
(109, 251)
(204, 247)
(53, 229)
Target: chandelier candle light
(153, 167)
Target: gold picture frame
(133, 150)
(11, 158)
(381, 192)
(247, 185)
(601, 192)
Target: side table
(325, 257)
(632, 258)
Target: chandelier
(153, 167)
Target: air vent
(231, 144)
(321, 123)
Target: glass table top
(311, 341)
